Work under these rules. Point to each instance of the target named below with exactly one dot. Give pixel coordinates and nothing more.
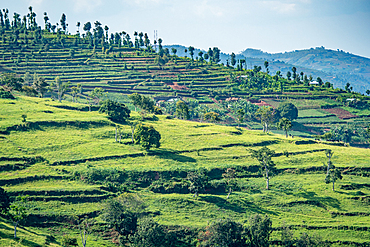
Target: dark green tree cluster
(147, 136)
(117, 112)
(228, 233)
(145, 103)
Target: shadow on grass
(171, 155)
(23, 242)
(320, 201)
(230, 205)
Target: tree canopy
(147, 136)
(117, 112)
(288, 110)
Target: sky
(231, 25)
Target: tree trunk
(286, 133)
(195, 194)
(116, 134)
(229, 193)
(15, 230)
(333, 184)
(120, 136)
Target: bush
(68, 241)
(5, 94)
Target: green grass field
(85, 140)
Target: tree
(87, 27)
(97, 94)
(174, 51)
(182, 110)
(146, 104)
(284, 124)
(147, 136)
(288, 75)
(263, 156)
(75, 91)
(63, 22)
(198, 180)
(40, 85)
(18, 211)
(84, 226)
(266, 66)
(11, 82)
(334, 175)
(149, 234)
(122, 213)
(233, 60)
(329, 154)
(368, 92)
(294, 70)
(222, 233)
(191, 52)
(288, 110)
(117, 112)
(240, 116)
(211, 116)
(258, 231)
(60, 87)
(229, 177)
(267, 116)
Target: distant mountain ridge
(338, 67)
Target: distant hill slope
(343, 66)
(338, 67)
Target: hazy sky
(231, 25)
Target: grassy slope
(299, 199)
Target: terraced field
(52, 157)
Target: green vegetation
(72, 173)
(82, 166)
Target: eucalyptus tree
(264, 156)
(63, 22)
(191, 52)
(232, 59)
(60, 87)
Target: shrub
(5, 94)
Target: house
(314, 83)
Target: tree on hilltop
(63, 22)
(191, 52)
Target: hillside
(337, 67)
(74, 146)
(121, 68)
(343, 66)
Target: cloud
(87, 5)
(35, 2)
(280, 7)
(206, 9)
